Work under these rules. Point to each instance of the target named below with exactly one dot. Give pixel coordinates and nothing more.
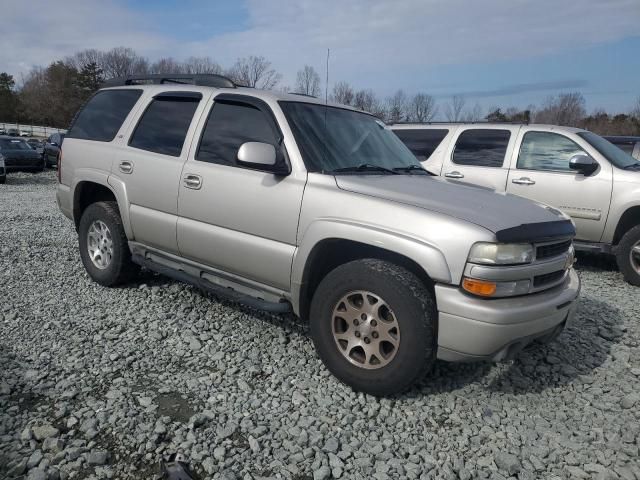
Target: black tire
(623, 255)
(413, 307)
(3, 179)
(120, 269)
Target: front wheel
(374, 325)
(104, 248)
(628, 256)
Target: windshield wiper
(412, 168)
(364, 167)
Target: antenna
(326, 85)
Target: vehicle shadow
(581, 348)
(593, 262)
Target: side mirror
(583, 164)
(260, 156)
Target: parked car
(287, 204)
(37, 145)
(631, 145)
(18, 155)
(13, 132)
(574, 170)
(52, 149)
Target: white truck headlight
(485, 253)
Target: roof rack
(302, 94)
(476, 122)
(200, 79)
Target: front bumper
(22, 163)
(471, 328)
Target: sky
(494, 52)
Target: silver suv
(284, 203)
(575, 170)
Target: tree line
(52, 95)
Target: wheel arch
(629, 219)
(316, 257)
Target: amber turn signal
(479, 287)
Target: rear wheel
(104, 248)
(628, 256)
(374, 326)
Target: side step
(218, 290)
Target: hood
(509, 217)
(8, 153)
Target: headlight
(501, 253)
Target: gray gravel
(102, 383)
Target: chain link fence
(28, 130)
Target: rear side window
(164, 124)
(547, 151)
(422, 142)
(103, 115)
(231, 124)
(481, 148)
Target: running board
(593, 247)
(217, 289)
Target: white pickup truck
(574, 170)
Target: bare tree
(397, 107)
(166, 65)
(635, 111)
(453, 110)
(81, 59)
(343, 93)
(368, 101)
(308, 81)
(254, 72)
(122, 61)
(564, 109)
(473, 114)
(201, 65)
(422, 108)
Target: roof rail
(476, 122)
(200, 79)
(302, 94)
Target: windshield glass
(14, 145)
(612, 153)
(333, 138)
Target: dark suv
(52, 149)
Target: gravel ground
(101, 383)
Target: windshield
(616, 156)
(14, 145)
(333, 138)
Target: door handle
(126, 167)
(523, 181)
(454, 174)
(192, 181)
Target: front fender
(427, 256)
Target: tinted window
(103, 115)
(612, 153)
(164, 124)
(481, 148)
(231, 124)
(422, 142)
(547, 151)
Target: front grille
(548, 278)
(552, 250)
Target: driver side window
(231, 124)
(547, 151)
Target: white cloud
(367, 37)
